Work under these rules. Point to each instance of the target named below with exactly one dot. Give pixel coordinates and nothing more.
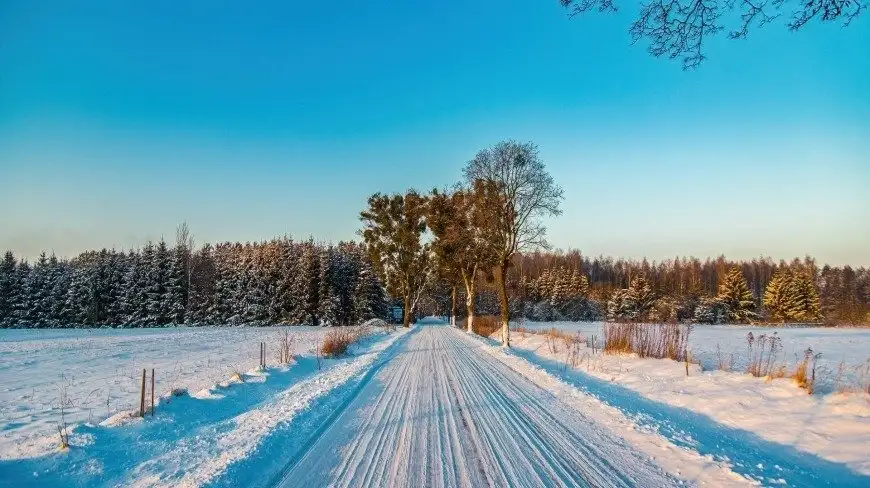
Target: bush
(658, 341)
(336, 342)
(805, 372)
(763, 352)
(483, 325)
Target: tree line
(275, 282)
(570, 286)
(481, 243)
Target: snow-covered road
(443, 412)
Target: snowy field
(100, 371)
(851, 347)
(659, 394)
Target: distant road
(444, 413)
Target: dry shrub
(64, 401)
(723, 363)
(763, 352)
(522, 331)
(336, 342)
(805, 372)
(285, 349)
(660, 341)
(862, 375)
(483, 325)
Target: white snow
(851, 346)
(193, 439)
(432, 405)
(101, 371)
(834, 427)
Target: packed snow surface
(99, 371)
(446, 411)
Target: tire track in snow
(442, 412)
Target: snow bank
(835, 427)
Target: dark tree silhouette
(679, 28)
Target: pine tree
(21, 298)
(369, 300)
(809, 309)
(621, 306)
(8, 290)
(642, 297)
(176, 293)
(735, 295)
(579, 287)
(792, 296)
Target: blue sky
(118, 120)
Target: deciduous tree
(393, 228)
(511, 182)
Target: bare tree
(511, 182)
(393, 229)
(679, 28)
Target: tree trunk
(500, 272)
(469, 305)
(407, 311)
(469, 298)
(453, 306)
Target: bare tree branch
(681, 28)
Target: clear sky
(118, 120)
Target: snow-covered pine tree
(579, 285)
(369, 296)
(307, 285)
(201, 288)
(285, 305)
(22, 298)
(78, 310)
(158, 285)
(115, 308)
(711, 310)
(329, 302)
(36, 293)
(642, 297)
(810, 309)
(560, 291)
(221, 307)
(135, 287)
(255, 311)
(176, 292)
(621, 306)
(9, 292)
(782, 297)
(734, 294)
(57, 295)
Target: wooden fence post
(152, 392)
(142, 396)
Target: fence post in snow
(142, 396)
(152, 392)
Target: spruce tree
(735, 295)
(8, 291)
(642, 298)
(176, 293)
